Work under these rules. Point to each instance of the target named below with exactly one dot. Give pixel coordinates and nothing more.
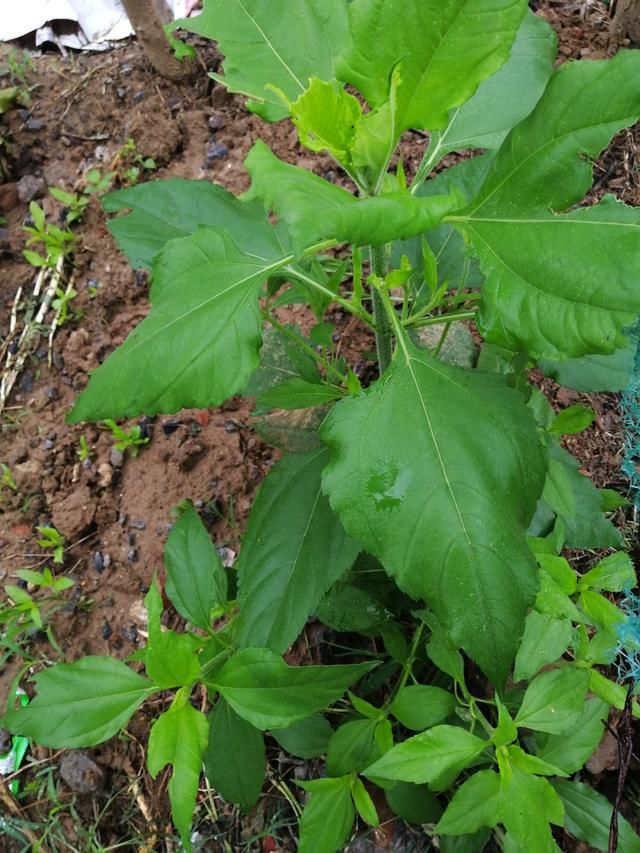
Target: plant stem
(408, 665)
(384, 332)
(452, 316)
(304, 346)
(430, 159)
(357, 310)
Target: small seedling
(57, 243)
(20, 63)
(96, 183)
(53, 541)
(75, 204)
(83, 452)
(127, 440)
(134, 164)
(61, 303)
(7, 477)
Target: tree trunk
(147, 19)
(626, 21)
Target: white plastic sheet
(97, 22)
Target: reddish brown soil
(115, 516)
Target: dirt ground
(115, 510)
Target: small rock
(216, 121)
(107, 631)
(131, 539)
(231, 426)
(120, 92)
(138, 613)
(34, 124)
(116, 458)
(98, 562)
(199, 503)
(74, 514)
(129, 632)
(30, 187)
(169, 427)
(137, 524)
(138, 97)
(126, 69)
(132, 555)
(8, 196)
(215, 151)
(227, 556)
(105, 475)
(80, 772)
(26, 382)
(51, 392)
(18, 454)
(48, 444)
(107, 560)
(28, 476)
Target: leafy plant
(131, 163)
(83, 452)
(75, 204)
(61, 303)
(96, 183)
(7, 477)
(56, 242)
(429, 510)
(131, 439)
(52, 540)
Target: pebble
(98, 562)
(132, 555)
(34, 124)
(105, 475)
(120, 92)
(26, 382)
(48, 444)
(137, 524)
(8, 196)
(138, 97)
(116, 458)
(216, 121)
(51, 392)
(129, 632)
(107, 560)
(131, 539)
(107, 631)
(80, 772)
(30, 187)
(231, 426)
(216, 151)
(169, 427)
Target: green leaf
(280, 360)
(593, 372)
(263, 690)
(446, 509)
(261, 53)
(294, 549)
(363, 803)
(475, 804)
(578, 503)
(475, 843)
(160, 211)
(298, 394)
(560, 571)
(528, 805)
(531, 763)
(614, 573)
(572, 749)
(602, 611)
(196, 580)
(171, 660)
(443, 49)
(529, 301)
(328, 815)
(308, 738)
(326, 116)
(413, 803)
(234, 760)
(352, 747)
(505, 98)
(179, 737)
(442, 651)
(588, 816)
(419, 707)
(506, 730)
(545, 640)
(316, 210)
(7, 97)
(554, 700)
(200, 342)
(573, 420)
(81, 703)
(435, 756)
(348, 608)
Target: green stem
(430, 159)
(304, 346)
(451, 317)
(383, 329)
(354, 309)
(407, 667)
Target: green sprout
(52, 540)
(127, 440)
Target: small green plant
(428, 514)
(7, 477)
(83, 452)
(130, 439)
(131, 164)
(96, 183)
(52, 540)
(56, 242)
(75, 204)
(20, 63)
(61, 302)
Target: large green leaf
(588, 817)
(234, 760)
(328, 815)
(263, 690)
(179, 737)
(475, 804)
(435, 756)
(80, 704)
(199, 344)
(316, 210)
(593, 372)
(436, 470)
(571, 750)
(196, 579)
(554, 700)
(528, 804)
(443, 49)
(550, 289)
(269, 44)
(505, 98)
(294, 549)
(159, 211)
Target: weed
(51, 540)
(131, 439)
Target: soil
(115, 509)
